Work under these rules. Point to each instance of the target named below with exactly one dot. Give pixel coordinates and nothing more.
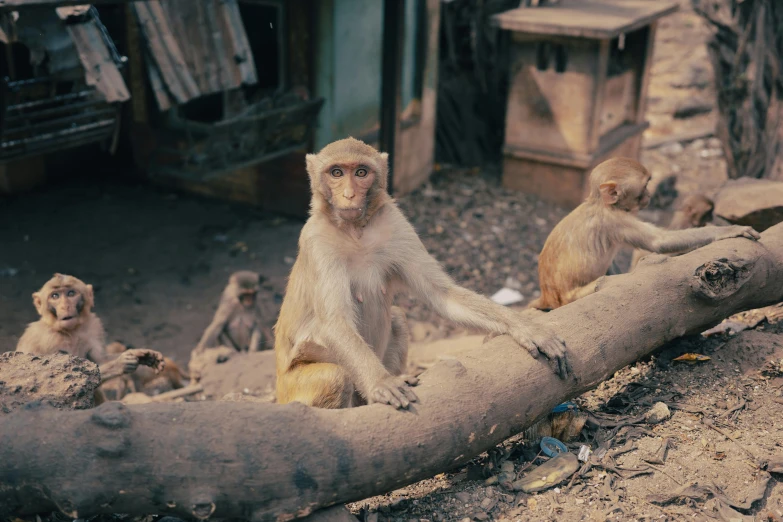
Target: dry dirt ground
(159, 261)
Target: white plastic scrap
(507, 296)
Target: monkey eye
(336, 173)
(361, 173)
(71, 293)
(55, 295)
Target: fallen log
(276, 462)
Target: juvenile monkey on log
(68, 325)
(581, 247)
(694, 212)
(337, 331)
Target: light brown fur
(237, 322)
(694, 212)
(337, 331)
(144, 379)
(581, 247)
(68, 325)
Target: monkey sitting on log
(337, 331)
(581, 247)
(144, 379)
(68, 325)
(695, 211)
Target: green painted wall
(348, 68)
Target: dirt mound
(247, 373)
(59, 380)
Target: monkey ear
(609, 192)
(384, 169)
(311, 160)
(37, 301)
(90, 295)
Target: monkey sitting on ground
(68, 325)
(694, 212)
(581, 247)
(337, 331)
(145, 380)
(237, 322)
(236, 326)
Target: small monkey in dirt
(237, 322)
(67, 324)
(695, 211)
(337, 331)
(581, 247)
(146, 379)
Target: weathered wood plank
(600, 19)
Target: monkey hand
(539, 339)
(149, 358)
(128, 362)
(740, 231)
(394, 390)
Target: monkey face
(63, 301)
(348, 185)
(65, 305)
(247, 298)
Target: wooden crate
(579, 75)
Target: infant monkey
(581, 247)
(337, 331)
(67, 324)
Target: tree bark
(746, 50)
(277, 462)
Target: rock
(480, 516)
(692, 106)
(754, 202)
(59, 380)
(657, 414)
(463, 496)
(488, 504)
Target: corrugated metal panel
(74, 44)
(100, 70)
(194, 48)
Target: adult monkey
(337, 331)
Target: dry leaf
(692, 358)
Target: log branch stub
(273, 462)
(720, 278)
